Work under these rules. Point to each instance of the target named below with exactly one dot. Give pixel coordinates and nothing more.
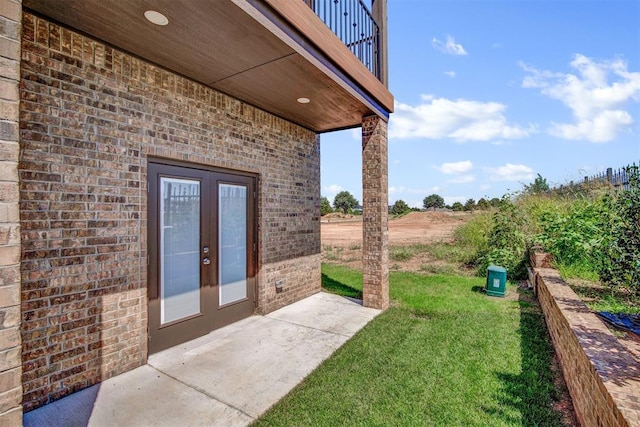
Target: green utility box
(496, 281)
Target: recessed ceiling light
(156, 17)
(304, 100)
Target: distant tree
(400, 207)
(457, 207)
(325, 206)
(538, 186)
(344, 201)
(483, 204)
(433, 201)
(495, 202)
(470, 205)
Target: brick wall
(602, 377)
(375, 238)
(10, 365)
(91, 116)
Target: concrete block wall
(603, 378)
(10, 345)
(91, 116)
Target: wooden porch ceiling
(234, 47)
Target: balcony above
(268, 53)
(354, 24)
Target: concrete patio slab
(228, 377)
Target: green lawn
(444, 354)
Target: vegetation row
(592, 229)
(593, 232)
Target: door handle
(206, 261)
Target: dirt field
(342, 239)
(414, 228)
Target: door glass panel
(232, 241)
(179, 249)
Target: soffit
(218, 44)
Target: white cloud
(451, 74)
(460, 120)
(456, 167)
(511, 172)
(463, 179)
(596, 95)
(330, 191)
(485, 187)
(393, 190)
(450, 200)
(449, 46)
(602, 128)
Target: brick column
(10, 343)
(375, 189)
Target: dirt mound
(430, 217)
(338, 215)
(413, 228)
(424, 227)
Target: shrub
(575, 237)
(621, 256)
(591, 230)
(475, 232)
(325, 206)
(400, 207)
(506, 243)
(457, 207)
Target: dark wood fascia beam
(280, 27)
(311, 27)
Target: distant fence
(617, 179)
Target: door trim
(211, 317)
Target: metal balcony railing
(353, 23)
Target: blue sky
(490, 93)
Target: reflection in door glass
(179, 248)
(232, 241)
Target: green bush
(621, 255)
(325, 206)
(576, 236)
(506, 242)
(591, 230)
(399, 208)
(475, 232)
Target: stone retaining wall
(602, 376)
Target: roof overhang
(266, 53)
